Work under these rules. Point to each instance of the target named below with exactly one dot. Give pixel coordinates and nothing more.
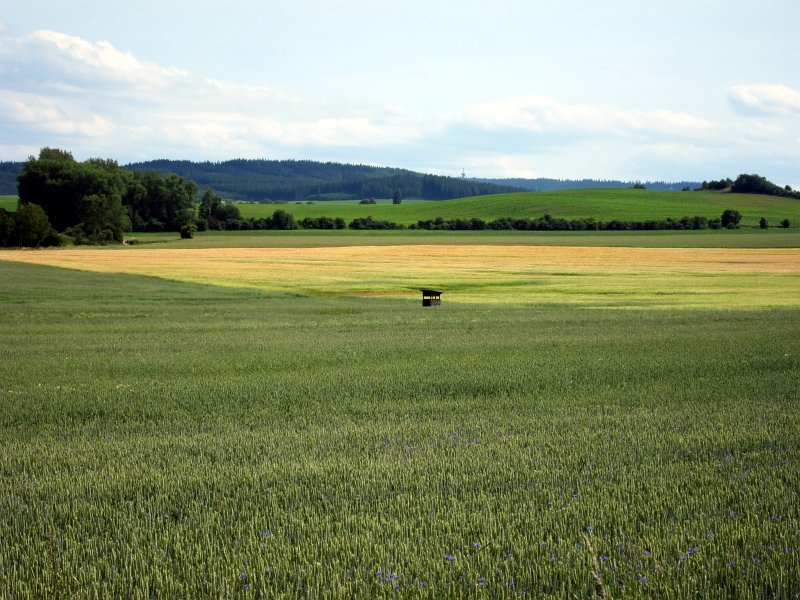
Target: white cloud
(65, 85)
(75, 62)
(764, 99)
(542, 115)
(92, 98)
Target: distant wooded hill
(543, 184)
(8, 177)
(294, 180)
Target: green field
(734, 238)
(601, 204)
(9, 203)
(177, 440)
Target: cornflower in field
(449, 557)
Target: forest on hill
(296, 180)
(301, 180)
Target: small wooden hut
(431, 298)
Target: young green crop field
(601, 204)
(264, 422)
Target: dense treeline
(295, 180)
(755, 184)
(750, 184)
(549, 223)
(96, 201)
(730, 218)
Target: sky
(616, 89)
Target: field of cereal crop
(589, 276)
(289, 422)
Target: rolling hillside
(601, 204)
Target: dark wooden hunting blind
(431, 298)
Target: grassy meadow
(9, 203)
(215, 419)
(601, 204)
(316, 238)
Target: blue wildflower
(590, 529)
(642, 579)
(691, 551)
(243, 576)
(449, 557)
(710, 536)
(266, 534)
(476, 544)
(245, 587)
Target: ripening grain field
(306, 436)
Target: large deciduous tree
(731, 218)
(32, 226)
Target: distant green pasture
(9, 203)
(600, 204)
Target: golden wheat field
(592, 276)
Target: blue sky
(624, 89)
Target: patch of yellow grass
(594, 276)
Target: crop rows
(169, 440)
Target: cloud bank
(97, 100)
